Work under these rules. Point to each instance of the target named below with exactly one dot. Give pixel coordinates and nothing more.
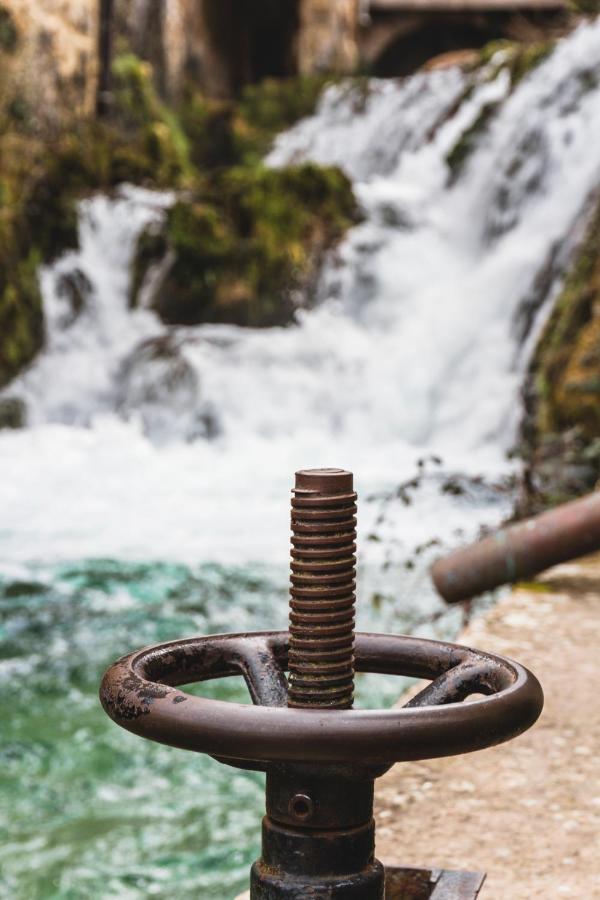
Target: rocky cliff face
(48, 58)
(48, 71)
(563, 431)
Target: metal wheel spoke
(263, 673)
(457, 684)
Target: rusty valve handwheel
(140, 693)
(320, 755)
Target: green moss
(209, 126)
(278, 103)
(270, 107)
(528, 58)
(40, 183)
(564, 421)
(41, 180)
(572, 312)
(21, 319)
(458, 156)
(588, 7)
(489, 51)
(157, 131)
(534, 587)
(520, 58)
(246, 236)
(224, 133)
(253, 235)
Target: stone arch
(399, 44)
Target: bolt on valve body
(321, 756)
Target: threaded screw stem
(323, 584)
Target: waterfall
(413, 349)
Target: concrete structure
(225, 45)
(50, 68)
(328, 35)
(54, 68)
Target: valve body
(318, 837)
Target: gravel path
(527, 812)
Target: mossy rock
(567, 361)
(21, 318)
(242, 248)
(587, 7)
(38, 222)
(270, 107)
(563, 428)
(519, 57)
(528, 58)
(42, 178)
(157, 133)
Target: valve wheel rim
(140, 693)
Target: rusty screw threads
(323, 577)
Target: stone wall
(328, 37)
(219, 46)
(172, 36)
(48, 72)
(51, 70)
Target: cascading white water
(188, 452)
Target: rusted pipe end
(521, 550)
(322, 595)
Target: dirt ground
(526, 812)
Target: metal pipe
(520, 551)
